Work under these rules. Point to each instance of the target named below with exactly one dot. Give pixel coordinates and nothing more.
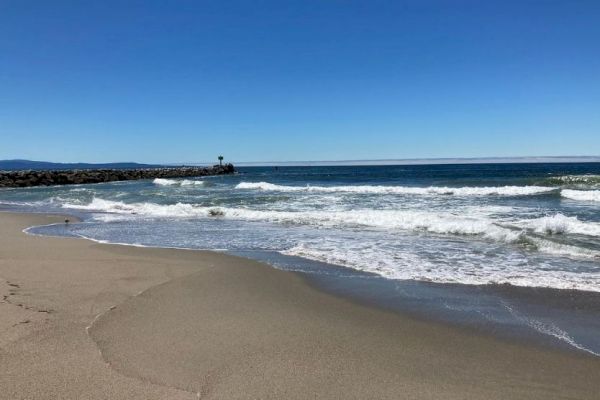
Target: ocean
(512, 248)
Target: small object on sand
(67, 221)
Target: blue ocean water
(437, 239)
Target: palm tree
(220, 160)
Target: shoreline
(297, 341)
(377, 293)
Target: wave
(388, 219)
(561, 224)
(187, 182)
(581, 195)
(563, 250)
(165, 182)
(412, 264)
(442, 223)
(414, 220)
(174, 182)
(146, 209)
(591, 180)
(379, 189)
(27, 204)
(429, 256)
(50, 201)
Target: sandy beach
(83, 320)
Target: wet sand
(170, 324)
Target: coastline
(191, 324)
(540, 316)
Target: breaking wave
(175, 182)
(561, 224)
(442, 223)
(378, 189)
(581, 195)
(386, 219)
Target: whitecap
(561, 224)
(442, 223)
(581, 195)
(380, 189)
(174, 182)
(164, 182)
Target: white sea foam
(174, 182)
(187, 182)
(164, 182)
(439, 223)
(547, 328)
(435, 222)
(561, 224)
(146, 209)
(581, 195)
(379, 189)
(442, 223)
(38, 203)
(416, 262)
(564, 250)
(19, 203)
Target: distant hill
(17, 165)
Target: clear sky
(183, 81)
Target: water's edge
(430, 301)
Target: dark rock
(68, 177)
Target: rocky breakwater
(82, 176)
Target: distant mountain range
(17, 165)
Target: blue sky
(183, 81)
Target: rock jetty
(82, 176)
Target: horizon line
(364, 162)
(417, 161)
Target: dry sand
(189, 324)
